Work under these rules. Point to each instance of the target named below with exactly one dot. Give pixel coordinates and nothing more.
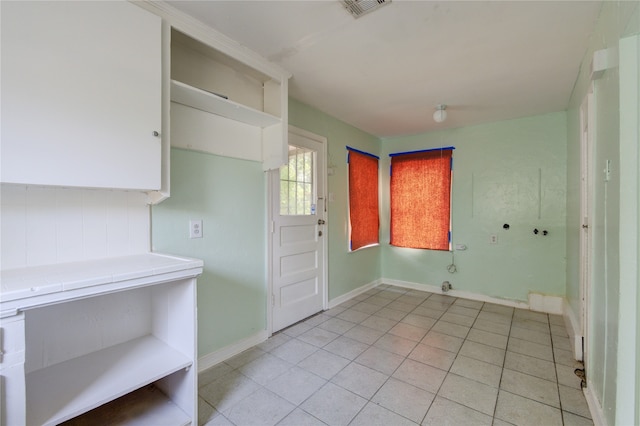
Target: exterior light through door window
(297, 183)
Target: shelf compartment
(206, 101)
(145, 406)
(63, 391)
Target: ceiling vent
(357, 8)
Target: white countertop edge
(27, 283)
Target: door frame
(274, 174)
(587, 132)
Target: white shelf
(144, 407)
(66, 390)
(206, 101)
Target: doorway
(298, 237)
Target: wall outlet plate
(493, 239)
(195, 228)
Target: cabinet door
(81, 94)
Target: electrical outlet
(195, 228)
(493, 239)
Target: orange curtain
(363, 199)
(421, 199)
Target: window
(421, 199)
(297, 189)
(363, 199)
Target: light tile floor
(394, 356)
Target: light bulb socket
(441, 114)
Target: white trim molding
(597, 415)
(207, 361)
(546, 303)
(456, 293)
(573, 329)
(353, 293)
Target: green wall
(511, 172)
(229, 195)
(612, 355)
(347, 270)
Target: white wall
(46, 225)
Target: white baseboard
(209, 360)
(597, 415)
(353, 293)
(456, 293)
(547, 304)
(572, 325)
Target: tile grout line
(396, 369)
(404, 357)
(555, 367)
(435, 394)
(504, 361)
(453, 362)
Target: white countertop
(22, 288)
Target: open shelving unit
(101, 332)
(94, 379)
(224, 106)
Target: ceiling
(386, 71)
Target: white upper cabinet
(81, 95)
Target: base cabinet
(125, 347)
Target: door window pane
(297, 183)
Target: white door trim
(322, 174)
(587, 132)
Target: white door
(586, 188)
(298, 239)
